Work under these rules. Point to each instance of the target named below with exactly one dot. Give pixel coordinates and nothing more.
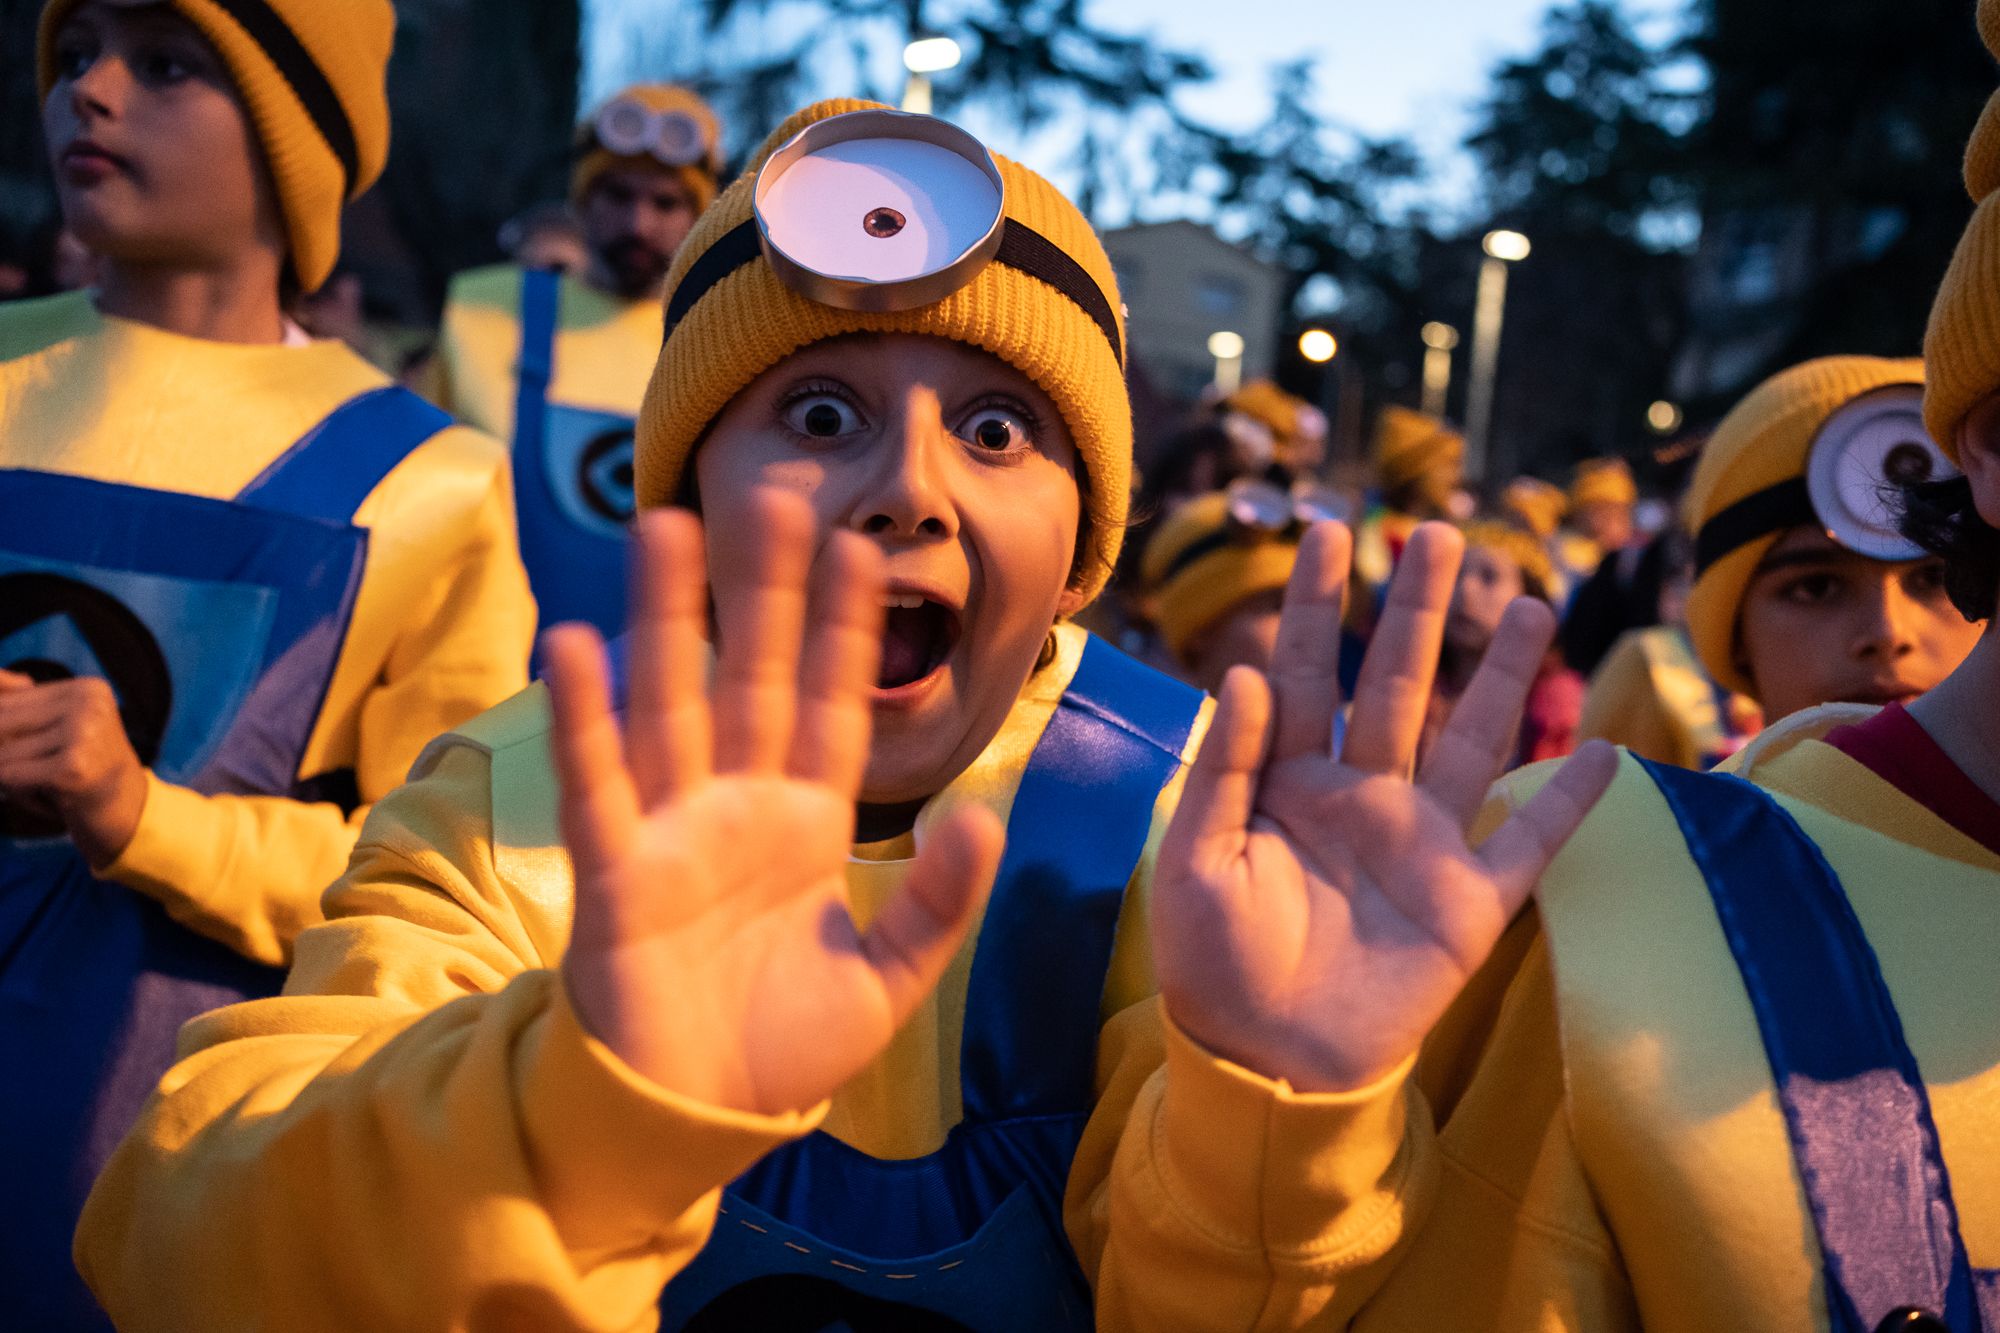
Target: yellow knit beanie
(750, 319)
(1765, 440)
(1962, 345)
(1411, 445)
(698, 177)
(1538, 505)
(1537, 570)
(1603, 481)
(314, 77)
(1199, 568)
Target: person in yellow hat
(1538, 508)
(557, 363)
(1419, 468)
(1274, 430)
(1599, 519)
(243, 579)
(1215, 572)
(708, 998)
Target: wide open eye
(822, 416)
(1864, 456)
(997, 430)
(879, 211)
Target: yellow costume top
(441, 623)
(605, 349)
(420, 1134)
(1651, 695)
(1609, 1152)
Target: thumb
(917, 935)
(14, 680)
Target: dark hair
(1940, 516)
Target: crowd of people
(938, 878)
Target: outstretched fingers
(919, 932)
(597, 805)
(756, 676)
(667, 729)
(1479, 742)
(1213, 817)
(1521, 849)
(1394, 691)
(1305, 661)
(842, 650)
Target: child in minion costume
(558, 363)
(1214, 572)
(1738, 1064)
(1602, 497)
(980, 1171)
(242, 582)
(1419, 466)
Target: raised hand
(1314, 915)
(713, 950)
(64, 753)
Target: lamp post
(1439, 339)
(1502, 248)
(1227, 349)
(1664, 417)
(922, 58)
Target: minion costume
(558, 367)
(1419, 462)
(292, 574)
(1739, 1066)
(432, 1140)
(1597, 481)
(1209, 557)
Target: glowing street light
(1664, 417)
(1318, 346)
(1227, 349)
(1502, 248)
(922, 58)
(1439, 340)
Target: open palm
(1315, 914)
(713, 949)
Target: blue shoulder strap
(331, 470)
(541, 294)
(1079, 825)
(1854, 1102)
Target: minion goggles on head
(1861, 457)
(630, 128)
(884, 211)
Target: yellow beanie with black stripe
(1198, 568)
(1412, 445)
(314, 77)
(1766, 439)
(749, 320)
(698, 177)
(1962, 344)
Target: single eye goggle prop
(1261, 512)
(632, 129)
(885, 211)
(1860, 460)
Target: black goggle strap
(1021, 247)
(1759, 514)
(1233, 533)
(275, 37)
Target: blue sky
(1406, 67)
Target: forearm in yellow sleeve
(418, 1134)
(247, 871)
(1237, 1202)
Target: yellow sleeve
(418, 1134)
(249, 870)
(1623, 707)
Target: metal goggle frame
(633, 129)
(1859, 462)
(1259, 511)
(882, 211)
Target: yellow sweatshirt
(605, 349)
(441, 625)
(419, 1134)
(1609, 1152)
(1651, 696)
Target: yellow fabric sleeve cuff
(1313, 1177)
(617, 1157)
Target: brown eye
(823, 419)
(992, 433)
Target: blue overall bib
(1854, 1103)
(572, 480)
(822, 1236)
(218, 624)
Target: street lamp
(1664, 417)
(1318, 346)
(1227, 349)
(1439, 340)
(1502, 248)
(922, 58)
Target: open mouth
(918, 634)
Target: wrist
(102, 823)
(1301, 1061)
